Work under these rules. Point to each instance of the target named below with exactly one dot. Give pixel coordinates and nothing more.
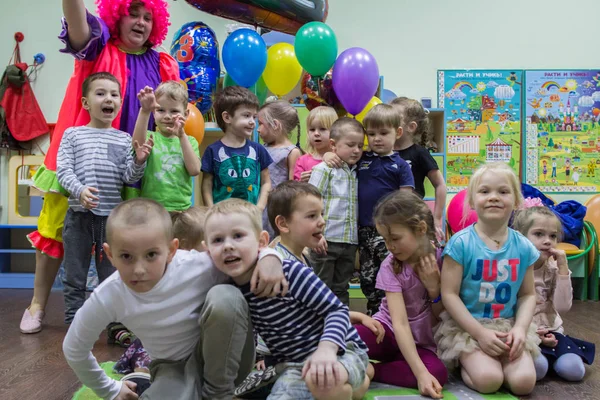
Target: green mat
(85, 393)
(454, 390)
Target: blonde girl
(554, 294)
(413, 146)
(318, 124)
(410, 277)
(488, 290)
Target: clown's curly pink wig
(111, 12)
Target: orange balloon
(194, 125)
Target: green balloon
(316, 48)
(259, 88)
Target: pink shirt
(416, 300)
(305, 162)
(553, 295)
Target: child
(554, 295)
(235, 167)
(276, 120)
(308, 331)
(488, 290)
(412, 147)
(318, 123)
(410, 277)
(333, 260)
(175, 158)
(93, 163)
(175, 303)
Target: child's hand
(439, 231)
(178, 126)
(305, 176)
(332, 160)
(322, 367)
(143, 151)
(375, 327)
(429, 386)
(492, 342)
(321, 248)
(260, 366)
(429, 274)
(548, 339)
(127, 391)
(147, 99)
(88, 199)
(561, 260)
(516, 340)
(268, 279)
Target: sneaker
(255, 381)
(142, 379)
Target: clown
(120, 40)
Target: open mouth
(138, 31)
(318, 235)
(107, 110)
(231, 260)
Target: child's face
(544, 235)
(319, 137)
(266, 131)
(103, 102)
(305, 226)
(399, 240)
(242, 122)
(349, 146)
(382, 140)
(233, 244)
(167, 113)
(140, 255)
(135, 28)
(494, 198)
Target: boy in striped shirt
(319, 354)
(94, 161)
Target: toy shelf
(16, 255)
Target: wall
(409, 39)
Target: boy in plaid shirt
(333, 260)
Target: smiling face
(135, 28)
(304, 227)
(141, 254)
(242, 122)
(103, 102)
(267, 133)
(168, 112)
(233, 244)
(494, 198)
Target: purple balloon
(355, 79)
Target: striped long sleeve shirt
(100, 158)
(292, 326)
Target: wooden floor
(33, 367)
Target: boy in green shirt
(175, 158)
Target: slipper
(31, 324)
(119, 334)
(142, 379)
(256, 380)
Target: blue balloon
(245, 56)
(195, 44)
(201, 83)
(387, 96)
(273, 37)
(196, 50)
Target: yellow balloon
(372, 103)
(283, 71)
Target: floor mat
(85, 393)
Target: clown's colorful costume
(133, 70)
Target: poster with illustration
(483, 120)
(562, 115)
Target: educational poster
(483, 120)
(562, 130)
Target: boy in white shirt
(176, 302)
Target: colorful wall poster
(562, 115)
(483, 120)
